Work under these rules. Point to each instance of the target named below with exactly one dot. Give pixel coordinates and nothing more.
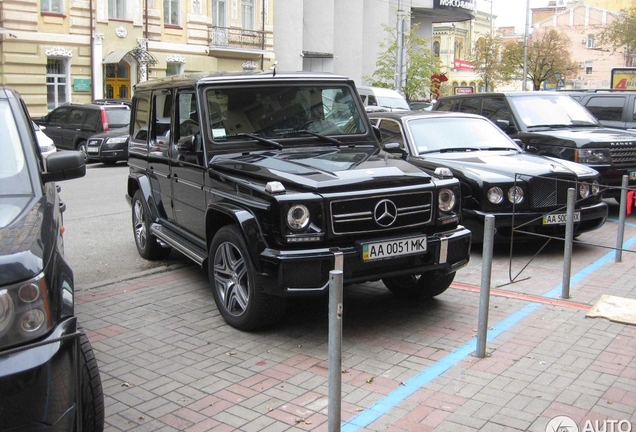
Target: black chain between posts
(513, 279)
(38, 344)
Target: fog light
(32, 320)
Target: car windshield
(537, 110)
(118, 117)
(14, 173)
(436, 134)
(276, 112)
(393, 103)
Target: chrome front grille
(550, 191)
(357, 215)
(623, 156)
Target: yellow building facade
(57, 51)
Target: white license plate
(393, 248)
(92, 149)
(559, 219)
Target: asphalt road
(98, 238)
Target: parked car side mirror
(506, 126)
(186, 144)
(395, 148)
(64, 166)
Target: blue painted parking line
(384, 405)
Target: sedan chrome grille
(381, 212)
(550, 191)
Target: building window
(53, 6)
(588, 68)
(436, 48)
(590, 41)
(117, 9)
(174, 69)
(247, 14)
(218, 13)
(56, 83)
(458, 49)
(171, 12)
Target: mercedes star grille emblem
(385, 213)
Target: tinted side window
(139, 137)
(59, 115)
(470, 105)
(391, 132)
(76, 116)
(93, 120)
(606, 107)
(447, 105)
(497, 109)
(372, 101)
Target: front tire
(147, 244)
(82, 148)
(424, 286)
(242, 303)
(91, 393)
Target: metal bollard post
(335, 349)
(569, 238)
(484, 293)
(622, 215)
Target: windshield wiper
(260, 139)
(552, 126)
(459, 149)
(316, 134)
(499, 148)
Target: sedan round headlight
(298, 217)
(495, 195)
(584, 190)
(515, 195)
(446, 200)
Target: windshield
(284, 111)
(393, 103)
(438, 134)
(537, 110)
(14, 174)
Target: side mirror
(376, 132)
(505, 125)
(395, 148)
(64, 165)
(186, 144)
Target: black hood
(596, 136)
(322, 170)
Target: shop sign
(455, 4)
(81, 85)
(464, 90)
(463, 65)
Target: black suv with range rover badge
(554, 124)
(253, 176)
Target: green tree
(621, 32)
(420, 63)
(548, 55)
(487, 61)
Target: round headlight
(515, 195)
(298, 217)
(495, 195)
(584, 190)
(596, 187)
(32, 320)
(6, 310)
(29, 292)
(446, 200)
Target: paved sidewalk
(170, 363)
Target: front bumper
(39, 383)
(592, 217)
(305, 272)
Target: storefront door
(117, 81)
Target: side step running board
(189, 249)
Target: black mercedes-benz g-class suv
(273, 180)
(49, 378)
(554, 124)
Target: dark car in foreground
(108, 147)
(523, 191)
(554, 124)
(49, 379)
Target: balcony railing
(239, 38)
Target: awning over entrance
(115, 56)
(140, 56)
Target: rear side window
(606, 107)
(447, 105)
(118, 117)
(391, 132)
(470, 106)
(139, 137)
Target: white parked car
(47, 146)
